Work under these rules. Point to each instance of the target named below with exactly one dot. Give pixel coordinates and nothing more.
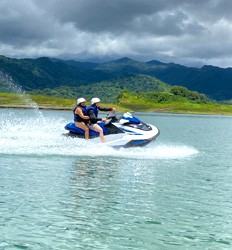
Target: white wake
(44, 136)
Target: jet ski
(124, 131)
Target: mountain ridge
(45, 72)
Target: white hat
(80, 100)
(94, 100)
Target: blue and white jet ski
(125, 131)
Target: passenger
(92, 112)
(80, 117)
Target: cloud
(21, 23)
(183, 31)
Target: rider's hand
(104, 119)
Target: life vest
(77, 118)
(95, 109)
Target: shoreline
(120, 109)
(41, 107)
(13, 101)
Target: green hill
(124, 65)
(108, 90)
(215, 82)
(43, 73)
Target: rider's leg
(83, 126)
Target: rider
(80, 117)
(92, 112)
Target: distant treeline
(175, 94)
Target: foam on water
(44, 136)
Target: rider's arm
(105, 109)
(92, 116)
(80, 113)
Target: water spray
(16, 88)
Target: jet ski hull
(133, 139)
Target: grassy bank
(126, 104)
(26, 101)
(139, 103)
(184, 108)
(44, 102)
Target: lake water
(66, 193)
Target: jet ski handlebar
(112, 114)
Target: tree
(179, 90)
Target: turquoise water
(63, 193)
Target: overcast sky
(188, 32)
